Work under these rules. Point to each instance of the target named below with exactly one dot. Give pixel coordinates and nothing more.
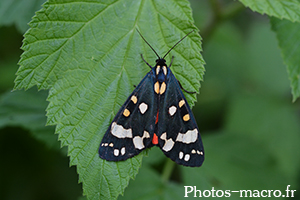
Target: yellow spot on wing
(181, 103)
(134, 99)
(162, 88)
(186, 117)
(156, 87)
(126, 112)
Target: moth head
(160, 61)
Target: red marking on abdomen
(155, 139)
(156, 117)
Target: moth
(156, 113)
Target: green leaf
(27, 109)
(289, 41)
(273, 123)
(152, 187)
(236, 162)
(18, 12)
(88, 54)
(282, 9)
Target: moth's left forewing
(132, 128)
(179, 136)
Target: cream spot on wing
(168, 143)
(143, 107)
(163, 136)
(172, 110)
(116, 152)
(187, 157)
(138, 141)
(123, 151)
(111, 144)
(146, 134)
(162, 88)
(188, 137)
(193, 151)
(180, 155)
(156, 87)
(120, 132)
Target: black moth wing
(132, 129)
(178, 133)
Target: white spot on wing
(143, 107)
(168, 143)
(180, 155)
(138, 141)
(116, 152)
(199, 152)
(146, 135)
(187, 157)
(123, 151)
(189, 137)
(120, 132)
(163, 136)
(172, 110)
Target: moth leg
(171, 62)
(185, 89)
(146, 61)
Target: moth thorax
(161, 72)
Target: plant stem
(168, 169)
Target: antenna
(177, 43)
(171, 47)
(147, 43)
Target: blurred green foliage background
(249, 125)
